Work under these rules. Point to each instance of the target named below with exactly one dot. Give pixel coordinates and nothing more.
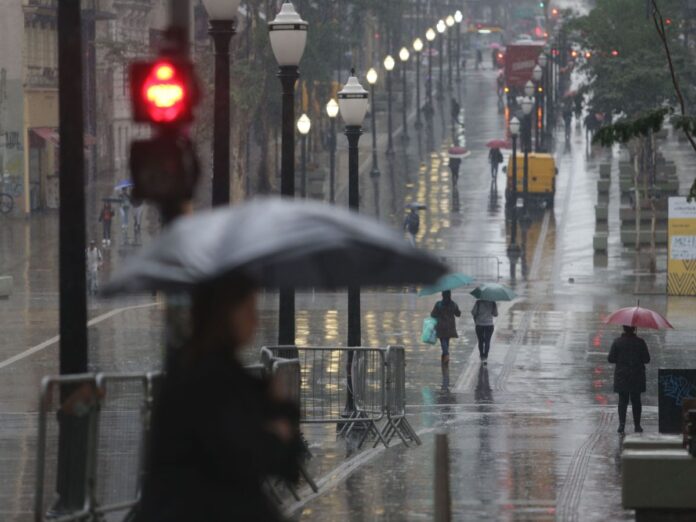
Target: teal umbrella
(493, 292)
(447, 282)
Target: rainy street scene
(347, 260)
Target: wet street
(532, 435)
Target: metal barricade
(482, 268)
(327, 376)
(68, 411)
(105, 420)
(122, 434)
(397, 423)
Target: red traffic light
(614, 52)
(163, 92)
(588, 55)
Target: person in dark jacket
(445, 312)
(217, 432)
(630, 355)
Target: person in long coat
(446, 311)
(630, 355)
(218, 433)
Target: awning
(50, 135)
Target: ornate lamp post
(537, 73)
(372, 78)
(332, 112)
(543, 62)
(222, 15)
(441, 28)
(459, 18)
(512, 204)
(353, 102)
(389, 65)
(404, 56)
(527, 105)
(430, 36)
(304, 125)
(449, 22)
(288, 34)
(418, 48)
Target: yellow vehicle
(541, 185)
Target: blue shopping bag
(429, 336)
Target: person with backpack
(412, 225)
(495, 158)
(446, 311)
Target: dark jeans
(444, 344)
(106, 227)
(636, 406)
(484, 334)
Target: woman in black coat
(217, 432)
(445, 312)
(630, 355)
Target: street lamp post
(449, 21)
(459, 17)
(288, 35)
(372, 78)
(304, 125)
(527, 105)
(536, 76)
(353, 102)
(404, 56)
(332, 112)
(430, 37)
(514, 132)
(222, 15)
(418, 48)
(389, 65)
(441, 28)
(543, 63)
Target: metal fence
(482, 268)
(353, 388)
(103, 421)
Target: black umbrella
(277, 243)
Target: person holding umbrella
(218, 433)
(495, 158)
(446, 311)
(485, 311)
(630, 355)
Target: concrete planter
(600, 242)
(628, 237)
(603, 186)
(601, 212)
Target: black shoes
(639, 429)
(621, 429)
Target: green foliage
(627, 129)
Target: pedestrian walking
(106, 216)
(412, 225)
(446, 311)
(484, 313)
(495, 158)
(138, 210)
(94, 262)
(218, 433)
(630, 355)
(125, 211)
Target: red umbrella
(639, 318)
(458, 152)
(499, 144)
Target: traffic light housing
(163, 91)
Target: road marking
(340, 473)
(53, 340)
(539, 250)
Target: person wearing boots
(630, 355)
(446, 311)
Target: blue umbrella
(448, 282)
(493, 292)
(124, 183)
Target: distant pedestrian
(479, 59)
(106, 216)
(125, 211)
(567, 120)
(446, 312)
(630, 355)
(484, 313)
(138, 210)
(455, 111)
(94, 262)
(495, 158)
(412, 225)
